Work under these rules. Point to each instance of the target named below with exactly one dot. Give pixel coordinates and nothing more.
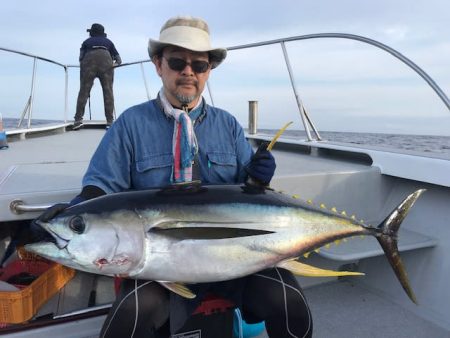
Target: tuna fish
(194, 234)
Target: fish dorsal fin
(179, 289)
(254, 189)
(302, 269)
(184, 188)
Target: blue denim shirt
(136, 152)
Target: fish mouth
(43, 233)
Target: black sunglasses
(177, 64)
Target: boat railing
(28, 110)
(27, 113)
(126, 64)
(307, 122)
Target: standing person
(98, 56)
(178, 137)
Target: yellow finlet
(333, 209)
(295, 196)
(323, 206)
(302, 269)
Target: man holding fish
(174, 139)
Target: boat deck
(49, 165)
(52, 173)
(46, 169)
(364, 314)
(342, 308)
(347, 309)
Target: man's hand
(262, 165)
(117, 61)
(36, 232)
(88, 192)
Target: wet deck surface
(345, 310)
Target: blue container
(3, 140)
(242, 329)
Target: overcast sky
(345, 85)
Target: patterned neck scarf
(184, 142)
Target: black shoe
(77, 125)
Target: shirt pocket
(222, 167)
(153, 171)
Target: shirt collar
(200, 118)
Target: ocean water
(11, 123)
(425, 145)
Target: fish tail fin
(387, 237)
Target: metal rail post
(210, 94)
(66, 93)
(145, 81)
(297, 97)
(252, 117)
(29, 106)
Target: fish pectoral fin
(179, 289)
(302, 269)
(207, 232)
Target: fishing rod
(89, 104)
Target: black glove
(52, 212)
(36, 233)
(262, 165)
(87, 192)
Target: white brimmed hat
(189, 33)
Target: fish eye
(77, 224)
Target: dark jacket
(100, 42)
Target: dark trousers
(96, 63)
(274, 296)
